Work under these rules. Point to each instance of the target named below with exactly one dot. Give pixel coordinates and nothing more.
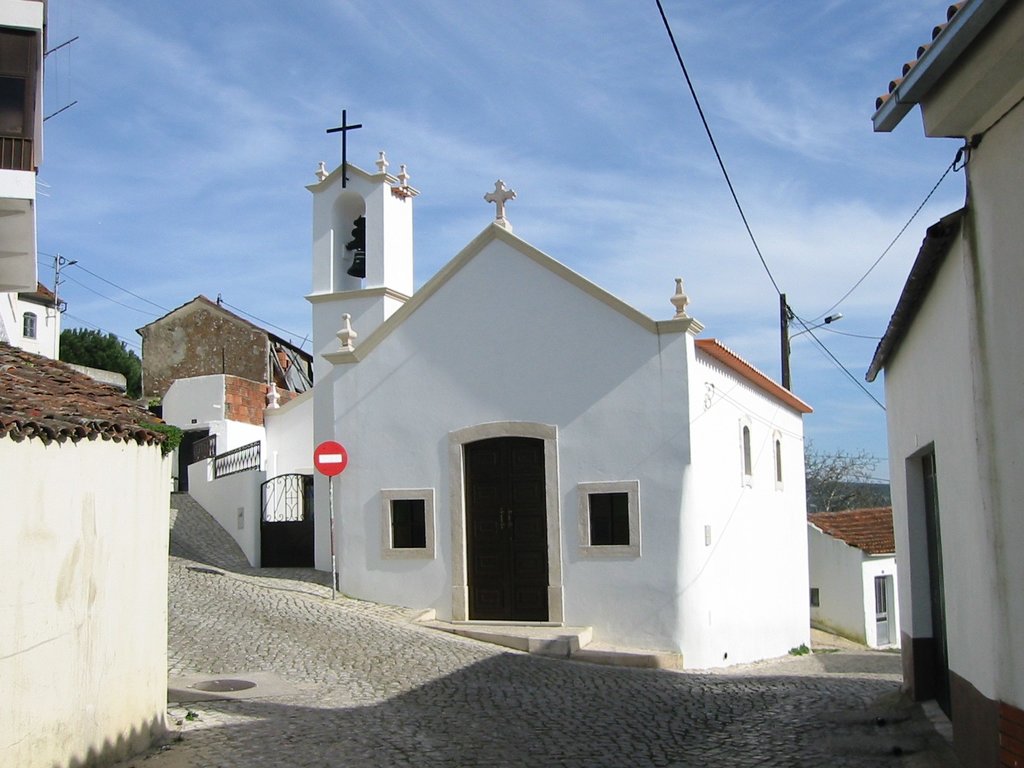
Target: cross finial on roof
(499, 197)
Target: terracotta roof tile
(937, 30)
(717, 350)
(866, 529)
(48, 400)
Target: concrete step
(555, 641)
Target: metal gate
(286, 522)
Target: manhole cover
(223, 686)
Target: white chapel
(525, 447)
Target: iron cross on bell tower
(344, 128)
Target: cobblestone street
(346, 683)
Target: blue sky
(181, 169)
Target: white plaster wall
(475, 353)
(838, 572)
(997, 280)
(195, 402)
(930, 401)
(289, 447)
(198, 403)
(745, 593)
(83, 640)
(233, 501)
(880, 565)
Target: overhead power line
(104, 330)
(104, 296)
(293, 334)
(856, 285)
(835, 360)
(714, 146)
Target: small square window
(407, 523)
(609, 519)
(815, 598)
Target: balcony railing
(239, 460)
(205, 448)
(16, 154)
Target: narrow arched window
(28, 325)
(747, 463)
(778, 460)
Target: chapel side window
(748, 464)
(777, 442)
(28, 325)
(609, 518)
(407, 523)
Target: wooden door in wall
(506, 529)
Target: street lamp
(785, 317)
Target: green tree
(841, 480)
(104, 351)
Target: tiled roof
(715, 349)
(48, 400)
(866, 529)
(951, 11)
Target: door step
(555, 641)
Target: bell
(358, 245)
(358, 268)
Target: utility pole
(784, 318)
(58, 262)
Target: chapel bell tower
(362, 250)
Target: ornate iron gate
(286, 522)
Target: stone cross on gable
(499, 197)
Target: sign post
(330, 458)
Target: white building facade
(523, 446)
(953, 363)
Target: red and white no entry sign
(330, 458)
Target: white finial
(273, 397)
(346, 335)
(680, 300)
(382, 163)
(499, 197)
(403, 176)
(321, 171)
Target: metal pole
(784, 331)
(334, 562)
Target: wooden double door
(506, 524)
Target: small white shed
(852, 557)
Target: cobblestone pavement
(358, 684)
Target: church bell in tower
(357, 245)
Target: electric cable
(714, 146)
(265, 322)
(66, 276)
(856, 285)
(103, 330)
(835, 360)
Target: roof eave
(964, 27)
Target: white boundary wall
(83, 639)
